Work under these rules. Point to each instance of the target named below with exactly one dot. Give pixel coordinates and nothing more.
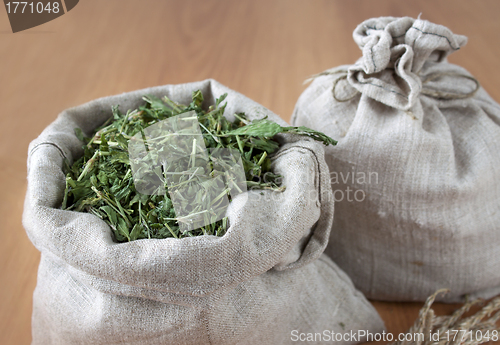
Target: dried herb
(101, 181)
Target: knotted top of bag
(271, 230)
(394, 53)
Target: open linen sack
(264, 282)
(415, 173)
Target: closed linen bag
(415, 173)
(263, 282)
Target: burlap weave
(419, 142)
(264, 279)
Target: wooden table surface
(263, 49)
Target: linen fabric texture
(419, 144)
(263, 279)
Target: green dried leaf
(136, 232)
(268, 129)
(101, 182)
(111, 214)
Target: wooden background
(263, 49)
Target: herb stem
(241, 119)
(213, 136)
(240, 144)
(261, 160)
(170, 229)
(193, 153)
(88, 165)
